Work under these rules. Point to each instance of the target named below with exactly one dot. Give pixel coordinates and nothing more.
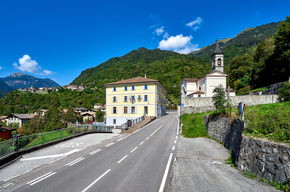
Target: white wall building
(203, 87)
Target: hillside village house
(204, 86)
(133, 98)
(18, 118)
(5, 132)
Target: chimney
(145, 76)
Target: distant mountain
(4, 88)
(21, 80)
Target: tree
(36, 125)
(282, 51)
(220, 100)
(70, 115)
(284, 92)
(99, 116)
(241, 67)
(52, 119)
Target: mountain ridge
(21, 80)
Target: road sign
(181, 105)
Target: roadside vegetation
(193, 125)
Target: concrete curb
(14, 156)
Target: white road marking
(51, 156)
(176, 137)
(175, 141)
(95, 151)
(43, 178)
(161, 189)
(141, 142)
(121, 139)
(109, 144)
(96, 180)
(74, 161)
(134, 149)
(173, 147)
(147, 138)
(122, 159)
(177, 125)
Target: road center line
(122, 159)
(173, 147)
(141, 142)
(96, 180)
(176, 137)
(147, 138)
(161, 189)
(175, 141)
(76, 161)
(134, 149)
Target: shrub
(284, 92)
(220, 100)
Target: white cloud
(178, 43)
(159, 31)
(195, 24)
(28, 65)
(1, 68)
(46, 72)
(166, 35)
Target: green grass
(193, 125)
(259, 89)
(47, 137)
(231, 159)
(269, 121)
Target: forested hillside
(269, 63)
(244, 42)
(166, 66)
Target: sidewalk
(138, 125)
(200, 167)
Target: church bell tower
(217, 58)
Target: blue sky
(59, 39)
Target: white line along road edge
(161, 189)
(96, 180)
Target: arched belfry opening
(217, 58)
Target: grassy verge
(259, 89)
(193, 125)
(269, 121)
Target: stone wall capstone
(269, 160)
(204, 104)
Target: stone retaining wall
(269, 160)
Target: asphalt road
(137, 162)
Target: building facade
(18, 118)
(203, 87)
(132, 98)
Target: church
(203, 87)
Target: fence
(29, 141)
(125, 126)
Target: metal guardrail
(124, 126)
(28, 141)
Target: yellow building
(132, 98)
